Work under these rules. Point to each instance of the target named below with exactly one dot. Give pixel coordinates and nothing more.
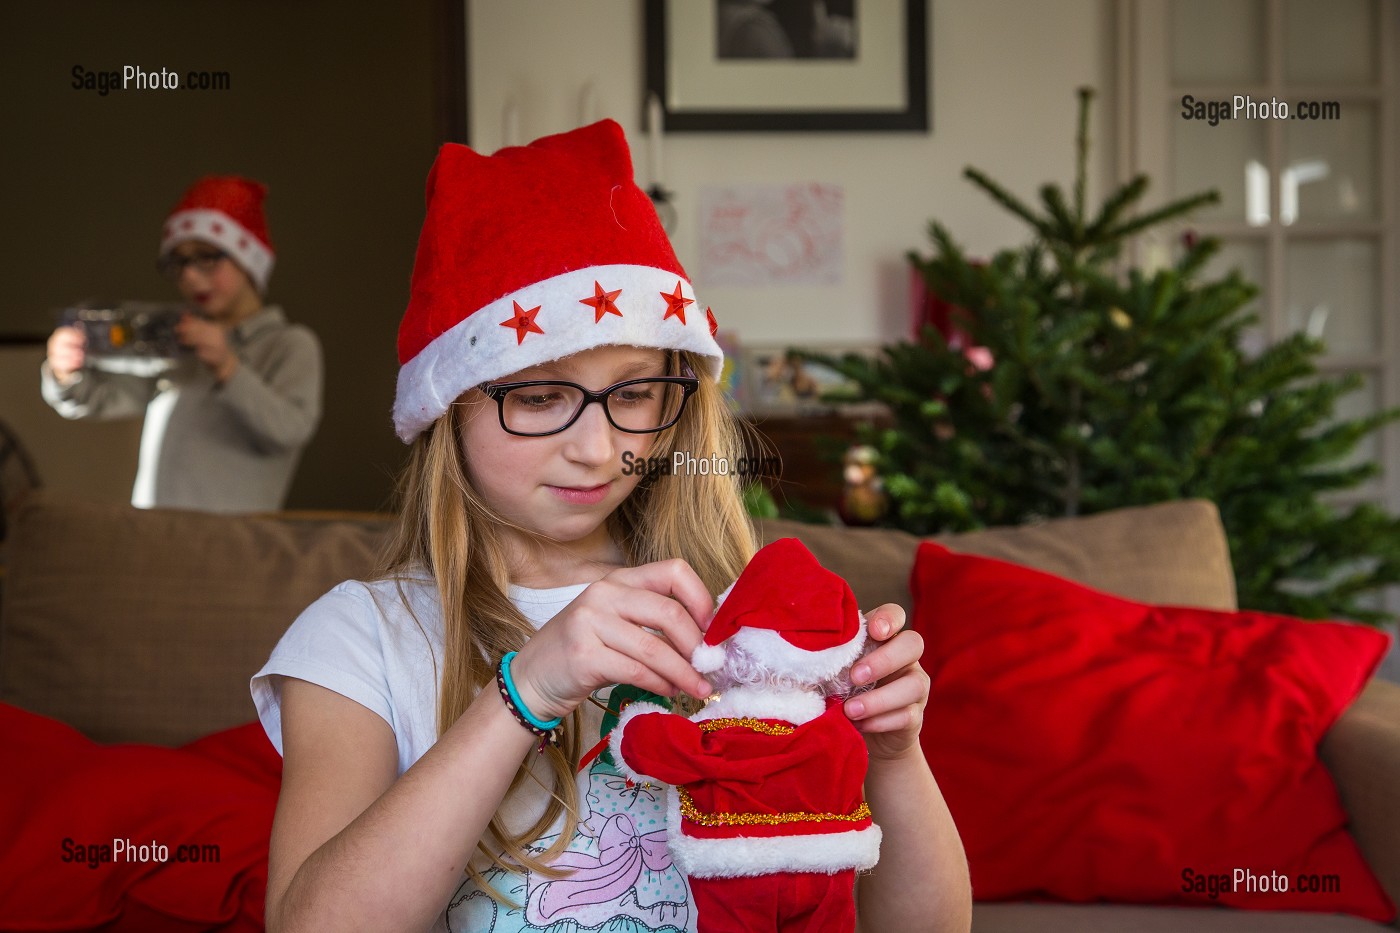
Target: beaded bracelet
(547, 730)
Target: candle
(654, 137)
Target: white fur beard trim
(794, 706)
(782, 657)
(615, 739)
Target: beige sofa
(145, 626)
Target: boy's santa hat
(226, 211)
(788, 612)
(530, 255)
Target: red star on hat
(523, 322)
(714, 325)
(675, 303)
(602, 302)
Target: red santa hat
(227, 211)
(530, 255)
(790, 613)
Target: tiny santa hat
(530, 255)
(790, 613)
(227, 211)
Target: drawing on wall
(755, 235)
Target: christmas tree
(1070, 385)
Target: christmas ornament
(863, 497)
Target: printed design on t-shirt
(626, 872)
(621, 877)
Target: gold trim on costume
(695, 815)
(755, 725)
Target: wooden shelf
(810, 447)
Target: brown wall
(331, 104)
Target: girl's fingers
(604, 636)
(884, 621)
(653, 658)
(611, 600)
(634, 672)
(673, 578)
(648, 610)
(903, 719)
(621, 613)
(899, 652)
(908, 691)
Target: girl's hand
(891, 714)
(601, 638)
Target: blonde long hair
(446, 529)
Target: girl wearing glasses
(225, 426)
(444, 726)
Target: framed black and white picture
(783, 65)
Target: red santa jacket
(753, 794)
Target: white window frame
(1144, 91)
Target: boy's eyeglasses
(173, 266)
(637, 406)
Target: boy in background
(225, 427)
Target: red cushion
(1094, 748)
(59, 791)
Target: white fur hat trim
(781, 655)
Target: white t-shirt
(362, 641)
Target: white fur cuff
(632, 711)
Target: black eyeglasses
(544, 407)
(173, 266)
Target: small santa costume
(767, 815)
